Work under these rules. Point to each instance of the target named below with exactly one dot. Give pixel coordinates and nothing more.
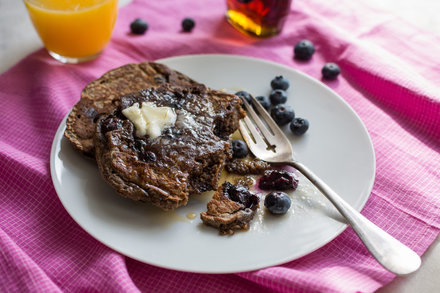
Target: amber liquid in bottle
(261, 18)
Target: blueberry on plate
(188, 24)
(304, 50)
(299, 126)
(278, 97)
(239, 149)
(138, 26)
(264, 101)
(330, 71)
(280, 83)
(277, 202)
(245, 95)
(282, 114)
(278, 180)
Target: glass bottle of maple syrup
(261, 18)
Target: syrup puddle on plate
(305, 198)
(191, 215)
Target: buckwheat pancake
(185, 159)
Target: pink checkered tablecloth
(390, 77)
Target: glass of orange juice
(73, 31)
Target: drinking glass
(73, 31)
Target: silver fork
(269, 144)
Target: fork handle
(389, 252)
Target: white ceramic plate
(337, 147)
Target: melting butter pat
(150, 119)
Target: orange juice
(73, 29)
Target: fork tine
(266, 117)
(247, 138)
(253, 130)
(263, 128)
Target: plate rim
(59, 136)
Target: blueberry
(280, 83)
(330, 71)
(239, 149)
(140, 145)
(278, 97)
(264, 101)
(149, 157)
(299, 126)
(188, 24)
(245, 95)
(282, 114)
(241, 195)
(138, 26)
(304, 50)
(278, 180)
(277, 203)
(110, 124)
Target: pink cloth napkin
(390, 74)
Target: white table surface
(18, 39)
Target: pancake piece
(102, 95)
(231, 208)
(185, 159)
